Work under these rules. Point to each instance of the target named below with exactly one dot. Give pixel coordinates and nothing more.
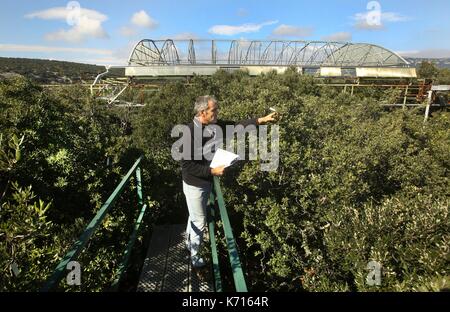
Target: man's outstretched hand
(218, 171)
(268, 118)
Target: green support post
(212, 240)
(238, 274)
(139, 187)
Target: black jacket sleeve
(196, 169)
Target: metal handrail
(236, 267)
(212, 240)
(78, 246)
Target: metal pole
(404, 97)
(238, 274)
(427, 110)
(139, 187)
(212, 239)
(213, 54)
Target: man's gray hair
(201, 103)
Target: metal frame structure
(149, 52)
(214, 210)
(150, 59)
(433, 94)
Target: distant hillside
(57, 72)
(48, 72)
(440, 63)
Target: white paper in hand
(223, 158)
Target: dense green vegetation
(54, 175)
(439, 62)
(430, 70)
(49, 72)
(355, 183)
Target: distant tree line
(49, 72)
(59, 72)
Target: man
(197, 175)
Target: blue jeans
(196, 199)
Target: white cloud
(427, 53)
(292, 31)
(84, 23)
(394, 17)
(227, 30)
(339, 36)
(142, 19)
(184, 36)
(51, 49)
(127, 31)
(78, 33)
(138, 20)
(369, 20)
(63, 13)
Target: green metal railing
(79, 245)
(216, 207)
(236, 267)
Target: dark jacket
(197, 172)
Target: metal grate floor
(167, 267)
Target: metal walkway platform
(167, 267)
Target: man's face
(210, 115)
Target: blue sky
(104, 32)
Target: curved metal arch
(191, 52)
(333, 47)
(149, 52)
(350, 48)
(266, 52)
(286, 46)
(353, 50)
(392, 53)
(365, 56)
(133, 50)
(236, 52)
(155, 54)
(252, 47)
(294, 57)
(169, 53)
(346, 46)
(233, 52)
(314, 54)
